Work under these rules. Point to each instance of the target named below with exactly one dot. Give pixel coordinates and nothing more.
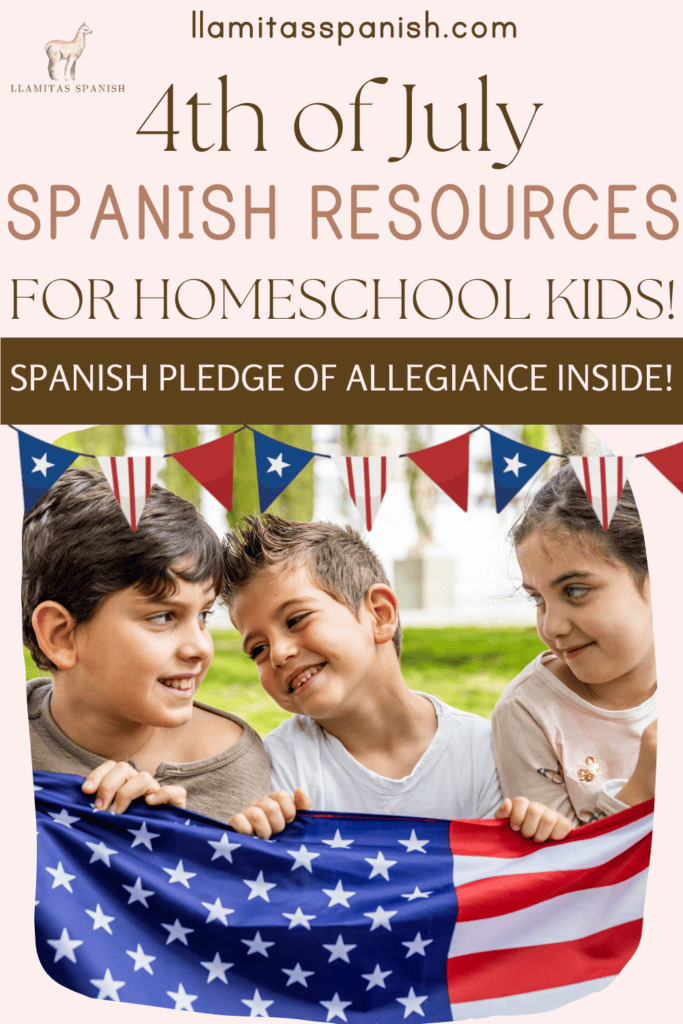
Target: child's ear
(54, 627)
(382, 603)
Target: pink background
(607, 79)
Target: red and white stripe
(540, 926)
(366, 477)
(603, 478)
(131, 479)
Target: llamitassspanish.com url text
(204, 26)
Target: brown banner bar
(357, 380)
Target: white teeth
(305, 676)
(177, 684)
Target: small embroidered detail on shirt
(555, 776)
(588, 770)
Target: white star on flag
(381, 918)
(183, 1000)
(63, 818)
(416, 895)
(376, 978)
(64, 946)
(137, 893)
(100, 851)
(100, 919)
(258, 1006)
(60, 877)
(223, 848)
(217, 912)
(380, 865)
(42, 465)
(302, 858)
(259, 887)
(176, 931)
(338, 842)
(418, 945)
(338, 895)
(412, 1003)
(257, 945)
(216, 969)
(276, 466)
(335, 1007)
(179, 874)
(142, 960)
(108, 988)
(143, 837)
(297, 975)
(299, 918)
(513, 466)
(340, 950)
(414, 843)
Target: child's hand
(117, 783)
(641, 785)
(535, 821)
(270, 814)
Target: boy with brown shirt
(119, 618)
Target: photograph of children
(370, 662)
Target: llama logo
(60, 49)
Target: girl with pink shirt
(577, 729)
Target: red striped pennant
(366, 477)
(131, 478)
(603, 478)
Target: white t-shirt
(553, 746)
(455, 777)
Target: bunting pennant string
(366, 477)
(447, 465)
(277, 464)
(42, 464)
(514, 464)
(669, 462)
(131, 478)
(602, 478)
(212, 465)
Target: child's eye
(536, 598)
(256, 651)
(161, 618)
(206, 615)
(576, 592)
(294, 619)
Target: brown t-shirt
(217, 786)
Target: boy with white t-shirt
(318, 617)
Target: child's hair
(562, 506)
(339, 560)
(78, 547)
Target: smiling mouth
(571, 652)
(179, 682)
(301, 678)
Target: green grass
(466, 666)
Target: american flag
(341, 917)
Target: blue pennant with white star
(42, 464)
(514, 464)
(277, 464)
